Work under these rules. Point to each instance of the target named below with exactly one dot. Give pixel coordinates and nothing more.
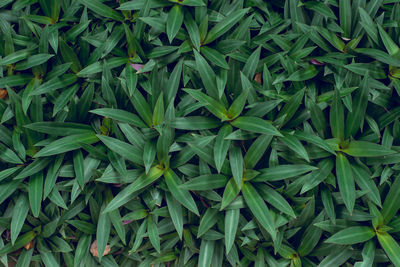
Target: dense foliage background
(199, 133)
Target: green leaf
(33, 61)
(251, 65)
(54, 84)
(193, 30)
(236, 162)
(82, 248)
(311, 237)
(289, 110)
(120, 115)
(194, 123)
(7, 189)
(19, 243)
(231, 225)
(225, 25)
(321, 8)
(142, 107)
(392, 201)
(303, 74)
(230, 193)
(221, 146)
(149, 154)
(345, 180)
(126, 194)
(368, 254)
(294, 144)
(205, 182)
(33, 168)
(180, 194)
(25, 258)
(390, 246)
(237, 106)
(153, 233)
(281, 172)
(275, 199)
(65, 144)
(366, 149)
(366, 183)
(255, 124)
(207, 221)
(207, 75)
(214, 56)
(360, 101)
(36, 192)
(8, 155)
(336, 116)
(345, 17)
(257, 150)
(103, 10)
(158, 114)
(390, 45)
(259, 209)
(14, 57)
(69, 55)
(124, 149)
(315, 140)
(379, 55)
(206, 253)
(214, 106)
(337, 258)
(79, 168)
(175, 210)
(174, 21)
(352, 235)
(102, 233)
(21, 209)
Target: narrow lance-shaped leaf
(392, 201)
(103, 10)
(125, 195)
(36, 192)
(206, 253)
(360, 102)
(255, 124)
(21, 209)
(224, 25)
(207, 221)
(174, 21)
(390, 246)
(259, 208)
(337, 116)
(102, 233)
(182, 195)
(231, 225)
(236, 162)
(175, 210)
(213, 105)
(207, 75)
(221, 146)
(345, 17)
(366, 149)
(192, 29)
(345, 180)
(352, 235)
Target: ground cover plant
(199, 133)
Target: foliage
(199, 133)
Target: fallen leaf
(257, 78)
(93, 249)
(3, 93)
(29, 245)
